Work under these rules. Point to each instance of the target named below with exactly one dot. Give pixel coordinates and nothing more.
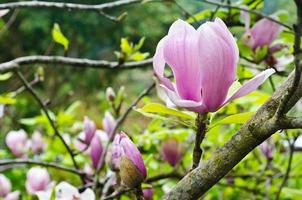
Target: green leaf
(126, 46)
(7, 100)
(200, 16)
(261, 53)
(139, 45)
(291, 193)
(240, 118)
(138, 56)
(58, 36)
(161, 109)
(6, 76)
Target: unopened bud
(110, 94)
(129, 173)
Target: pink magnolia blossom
(148, 193)
(263, 33)
(89, 130)
(37, 180)
(17, 142)
(96, 150)
(203, 63)
(171, 151)
(108, 123)
(123, 146)
(267, 150)
(5, 186)
(37, 142)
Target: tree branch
(261, 126)
(41, 163)
(247, 10)
(76, 62)
(69, 6)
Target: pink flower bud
(267, 150)
(89, 130)
(204, 64)
(37, 143)
(171, 151)
(148, 193)
(12, 196)
(5, 186)
(108, 123)
(129, 160)
(110, 94)
(96, 150)
(37, 180)
(17, 142)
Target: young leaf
(240, 118)
(6, 76)
(58, 36)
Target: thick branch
(69, 6)
(261, 126)
(76, 62)
(41, 163)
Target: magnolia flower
(65, 191)
(17, 142)
(128, 159)
(171, 151)
(108, 123)
(37, 142)
(5, 189)
(5, 186)
(203, 62)
(37, 180)
(148, 193)
(96, 150)
(263, 33)
(89, 130)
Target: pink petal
(264, 32)
(96, 150)
(181, 52)
(218, 62)
(251, 85)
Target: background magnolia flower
(128, 159)
(267, 150)
(96, 150)
(89, 130)
(65, 191)
(5, 186)
(263, 33)
(37, 142)
(148, 193)
(108, 123)
(17, 142)
(12, 196)
(171, 151)
(203, 63)
(37, 180)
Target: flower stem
(201, 123)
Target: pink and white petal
(245, 18)
(251, 85)
(181, 53)
(218, 62)
(188, 104)
(159, 63)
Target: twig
(158, 177)
(77, 62)
(200, 134)
(117, 193)
(247, 10)
(119, 121)
(45, 110)
(186, 12)
(41, 163)
(9, 22)
(290, 159)
(69, 6)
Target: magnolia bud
(110, 94)
(128, 159)
(171, 151)
(148, 193)
(37, 143)
(96, 150)
(5, 186)
(37, 180)
(89, 130)
(17, 142)
(108, 123)
(267, 150)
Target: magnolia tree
(228, 78)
